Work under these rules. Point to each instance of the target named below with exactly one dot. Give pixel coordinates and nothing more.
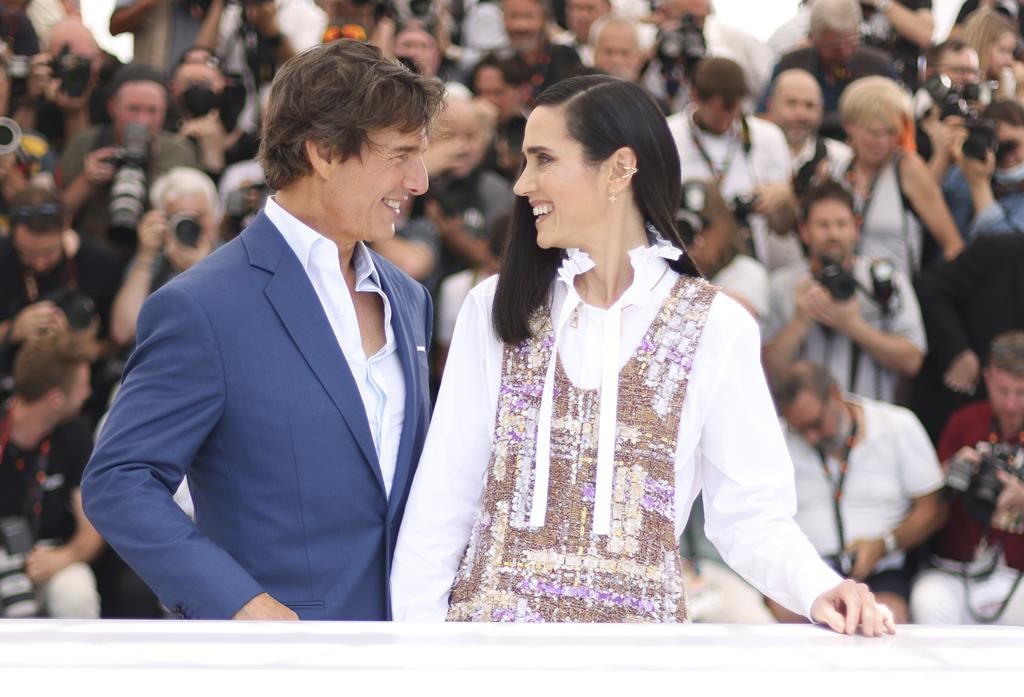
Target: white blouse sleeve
(749, 492)
(449, 481)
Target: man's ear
(319, 158)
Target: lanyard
(35, 499)
(32, 286)
(837, 484)
(860, 205)
(719, 173)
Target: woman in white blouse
(592, 389)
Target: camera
(73, 71)
(17, 594)
(129, 187)
(883, 285)
(980, 487)
(78, 308)
(421, 9)
(10, 135)
(981, 133)
(683, 47)
(241, 205)
(839, 282)
(186, 228)
(742, 206)
(690, 220)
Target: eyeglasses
(958, 71)
(41, 217)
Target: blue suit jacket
(238, 381)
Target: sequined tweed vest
(562, 572)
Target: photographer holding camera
(106, 169)
(46, 542)
(747, 157)
(179, 231)
(856, 317)
(867, 481)
(980, 551)
(163, 29)
(50, 278)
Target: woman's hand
(850, 605)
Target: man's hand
(35, 319)
(1010, 503)
(849, 605)
(977, 172)
(182, 257)
(866, 553)
(840, 315)
(962, 374)
(263, 607)
(152, 233)
(207, 129)
(98, 169)
(771, 198)
(43, 562)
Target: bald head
(796, 106)
(76, 36)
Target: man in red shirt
(980, 563)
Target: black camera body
(979, 487)
(954, 101)
(17, 593)
(683, 47)
(839, 282)
(742, 207)
(73, 71)
(78, 308)
(186, 228)
(129, 189)
(241, 205)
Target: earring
(630, 171)
(612, 196)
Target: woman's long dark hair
(603, 114)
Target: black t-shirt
(70, 448)
(877, 30)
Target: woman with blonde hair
(994, 37)
(896, 199)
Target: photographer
(43, 450)
(901, 28)
(995, 183)
(747, 157)
(105, 169)
(867, 481)
(856, 317)
(547, 62)
(950, 92)
(980, 551)
(180, 230)
(163, 29)
(50, 278)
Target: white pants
(938, 597)
(71, 594)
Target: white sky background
(758, 17)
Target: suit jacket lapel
(405, 338)
(296, 303)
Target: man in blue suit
(286, 374)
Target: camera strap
(34, 504)
(32, 285)
(837, 484)
(744, 143)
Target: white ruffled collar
(648, 263)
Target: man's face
(715, 115)
(796, 108)
(580, 15)
(677, 9)
(1006, 395)
(818, 421)
(618, 53)
(524, 24)
(1011, 145)
(960, 66)
(421, 48)
(138, 102)
(490, 84)
(365, 193)
(830, 231)
(38, 252)
(463, 123)
(835, 49)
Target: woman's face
(1000, 55)
(875, 142)
(569, 196)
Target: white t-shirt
(765, 161)
(746, 277)
(893, 463)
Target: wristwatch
(883, 6)
(889, 540)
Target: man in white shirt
(857, 317)
(747, 157)
(867, 481)
(286, 374)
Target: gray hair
(184, 181)
(840, 16)
(609, 19)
